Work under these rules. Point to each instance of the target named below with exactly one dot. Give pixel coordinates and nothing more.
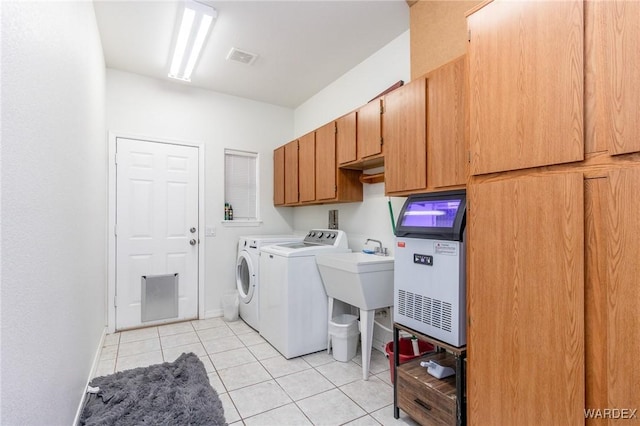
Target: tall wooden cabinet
(554, 277)
(612, 290)
(525, 301)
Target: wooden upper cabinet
(326, 162)
(612, 72)
(526, 301)
(526, 84)
(278, 176)
(307, 167)
(404, 135)
(346, 138)
(291, 172)
(447, 106)
(369, 129)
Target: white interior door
(156, 233)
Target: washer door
(245, 277)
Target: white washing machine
(248, 276)
(293, 302)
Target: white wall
(154, 108)
(369, 219)
(53, 208)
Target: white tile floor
(256, 384)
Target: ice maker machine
(429, 269)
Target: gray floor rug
(172, 393)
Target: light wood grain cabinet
(346, 142)
(425, 131)
(607, 377)
(612, 73)
(404, 135)
(334, 184)
(291, 193)
(447, 121)
(278, 176)
(307, 167)
(369, 130)
(310, 166)
(526, 84)
(326, 187)
(526, 301)
(612, 290)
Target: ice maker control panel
(423, 259)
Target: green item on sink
(393, 221)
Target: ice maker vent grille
(429, 311)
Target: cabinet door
(526, 84)
(291, 172)
(346, 138)
(369, 135)
(405, 137)
(307, 170)
(612, 32)
(326, 162)
(621, 293)
(278, 176)
(526, 301)
(447, 125)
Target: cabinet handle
(422, 404)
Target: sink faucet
(380, 251)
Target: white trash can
(230, 305)
(344, 333)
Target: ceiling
(303, 45)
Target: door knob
(192, 242)
(193, 230)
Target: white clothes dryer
(293, 303)
(248, 273)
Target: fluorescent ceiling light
(197, 20)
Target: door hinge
(335, 128)
(115, 230)
(381, 141)
(381, 109)
(115, 301)
(335, 189)
(469, 35)
(115, 158)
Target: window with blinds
(241, 183)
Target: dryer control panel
(327, 237)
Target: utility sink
(359, 279)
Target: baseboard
(213, 313)
(92, 372)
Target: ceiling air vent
(241, 56)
